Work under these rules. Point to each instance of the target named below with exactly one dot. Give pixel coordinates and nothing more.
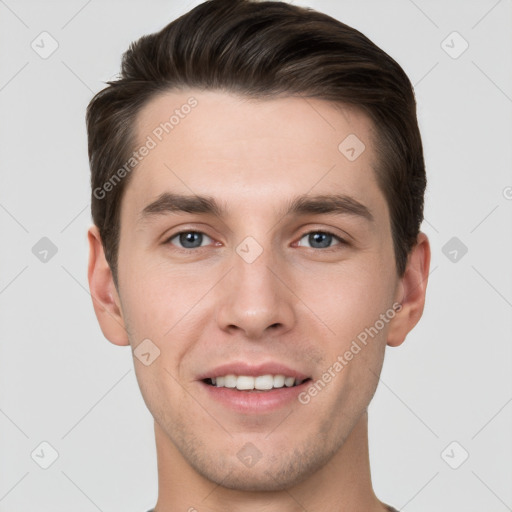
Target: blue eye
(320, 239)
(189, 239)
(314, 240)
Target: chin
(266, 475)
(251, 480)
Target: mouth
(248, 395)
(250, 388)
(259, 383)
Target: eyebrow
(338, 204)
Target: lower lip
(247, 402)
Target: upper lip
(253, 370)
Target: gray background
(62, 383)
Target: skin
(297, 303)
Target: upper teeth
(244, 382)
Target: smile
(258, 383)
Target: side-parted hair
(261, 50)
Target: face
(273, 263)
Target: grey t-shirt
(391, 509)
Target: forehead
(250, 152)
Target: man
(257, 194)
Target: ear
(105, 298)
(411, 292)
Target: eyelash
(327, 249)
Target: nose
(255, 299)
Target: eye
(189, 239)
(320, 240)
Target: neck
(342, 485)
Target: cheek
(156, 296)
(356, 300)
(348, 299)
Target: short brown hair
(262, 50)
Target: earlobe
(411, 292)
(103, 292)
